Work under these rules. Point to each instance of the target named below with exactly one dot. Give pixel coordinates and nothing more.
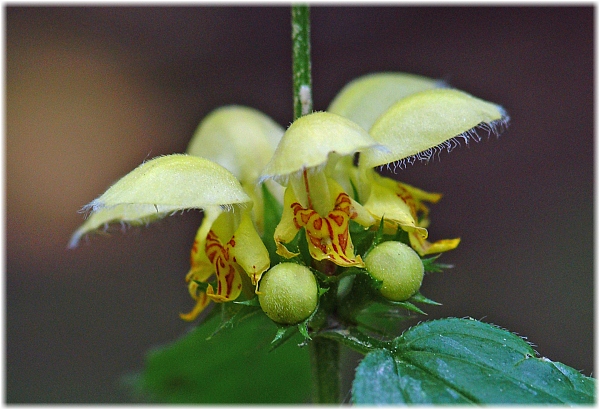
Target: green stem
(325, 364)
(324, 353)
(301, 60)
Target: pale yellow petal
(227, 271)
(310, 140)
(249, 250)
(202, 301)
(423, 247)
(383, 203)
(160, 187)
(420, 195)
(286, 230)
(200, 266)
(359, 213)
(175, 181)
(364, 99)
(422, 124)
(238, 138)
(312, 190)
(344, 172)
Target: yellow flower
(408, 118)
(322, 168)
(242, 140)
(226, 245)
(413, 120)
(402, 205)
(305, 162)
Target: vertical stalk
(324, 353)
(301, 60)
(325, 365)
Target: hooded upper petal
(171, 182)
(421, 124)
(364, 99)
(242, 140)
(238, 138)
(162, 186)
(310, 140)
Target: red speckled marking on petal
(328, 237)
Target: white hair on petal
(280, 179)
(234, 207)
(124, 225)
(283, 180)
(492, 128)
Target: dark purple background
(92, 92)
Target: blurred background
(94, 91)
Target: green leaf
(377, 238)
(406, 305)
(355, 339)
(284, 333)
(465, 361)
(301, 244)
(383, 320)
(249, 302)
(202, 286)
(377, 380)
(400, 236)
(234, 366)
(361, 238)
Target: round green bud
(288, 293)
(399, 268)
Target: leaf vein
(505, 375)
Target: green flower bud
(288, 293)
(398, 267)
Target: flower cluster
(322, 170)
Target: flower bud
(398, 267)
(288, 293)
